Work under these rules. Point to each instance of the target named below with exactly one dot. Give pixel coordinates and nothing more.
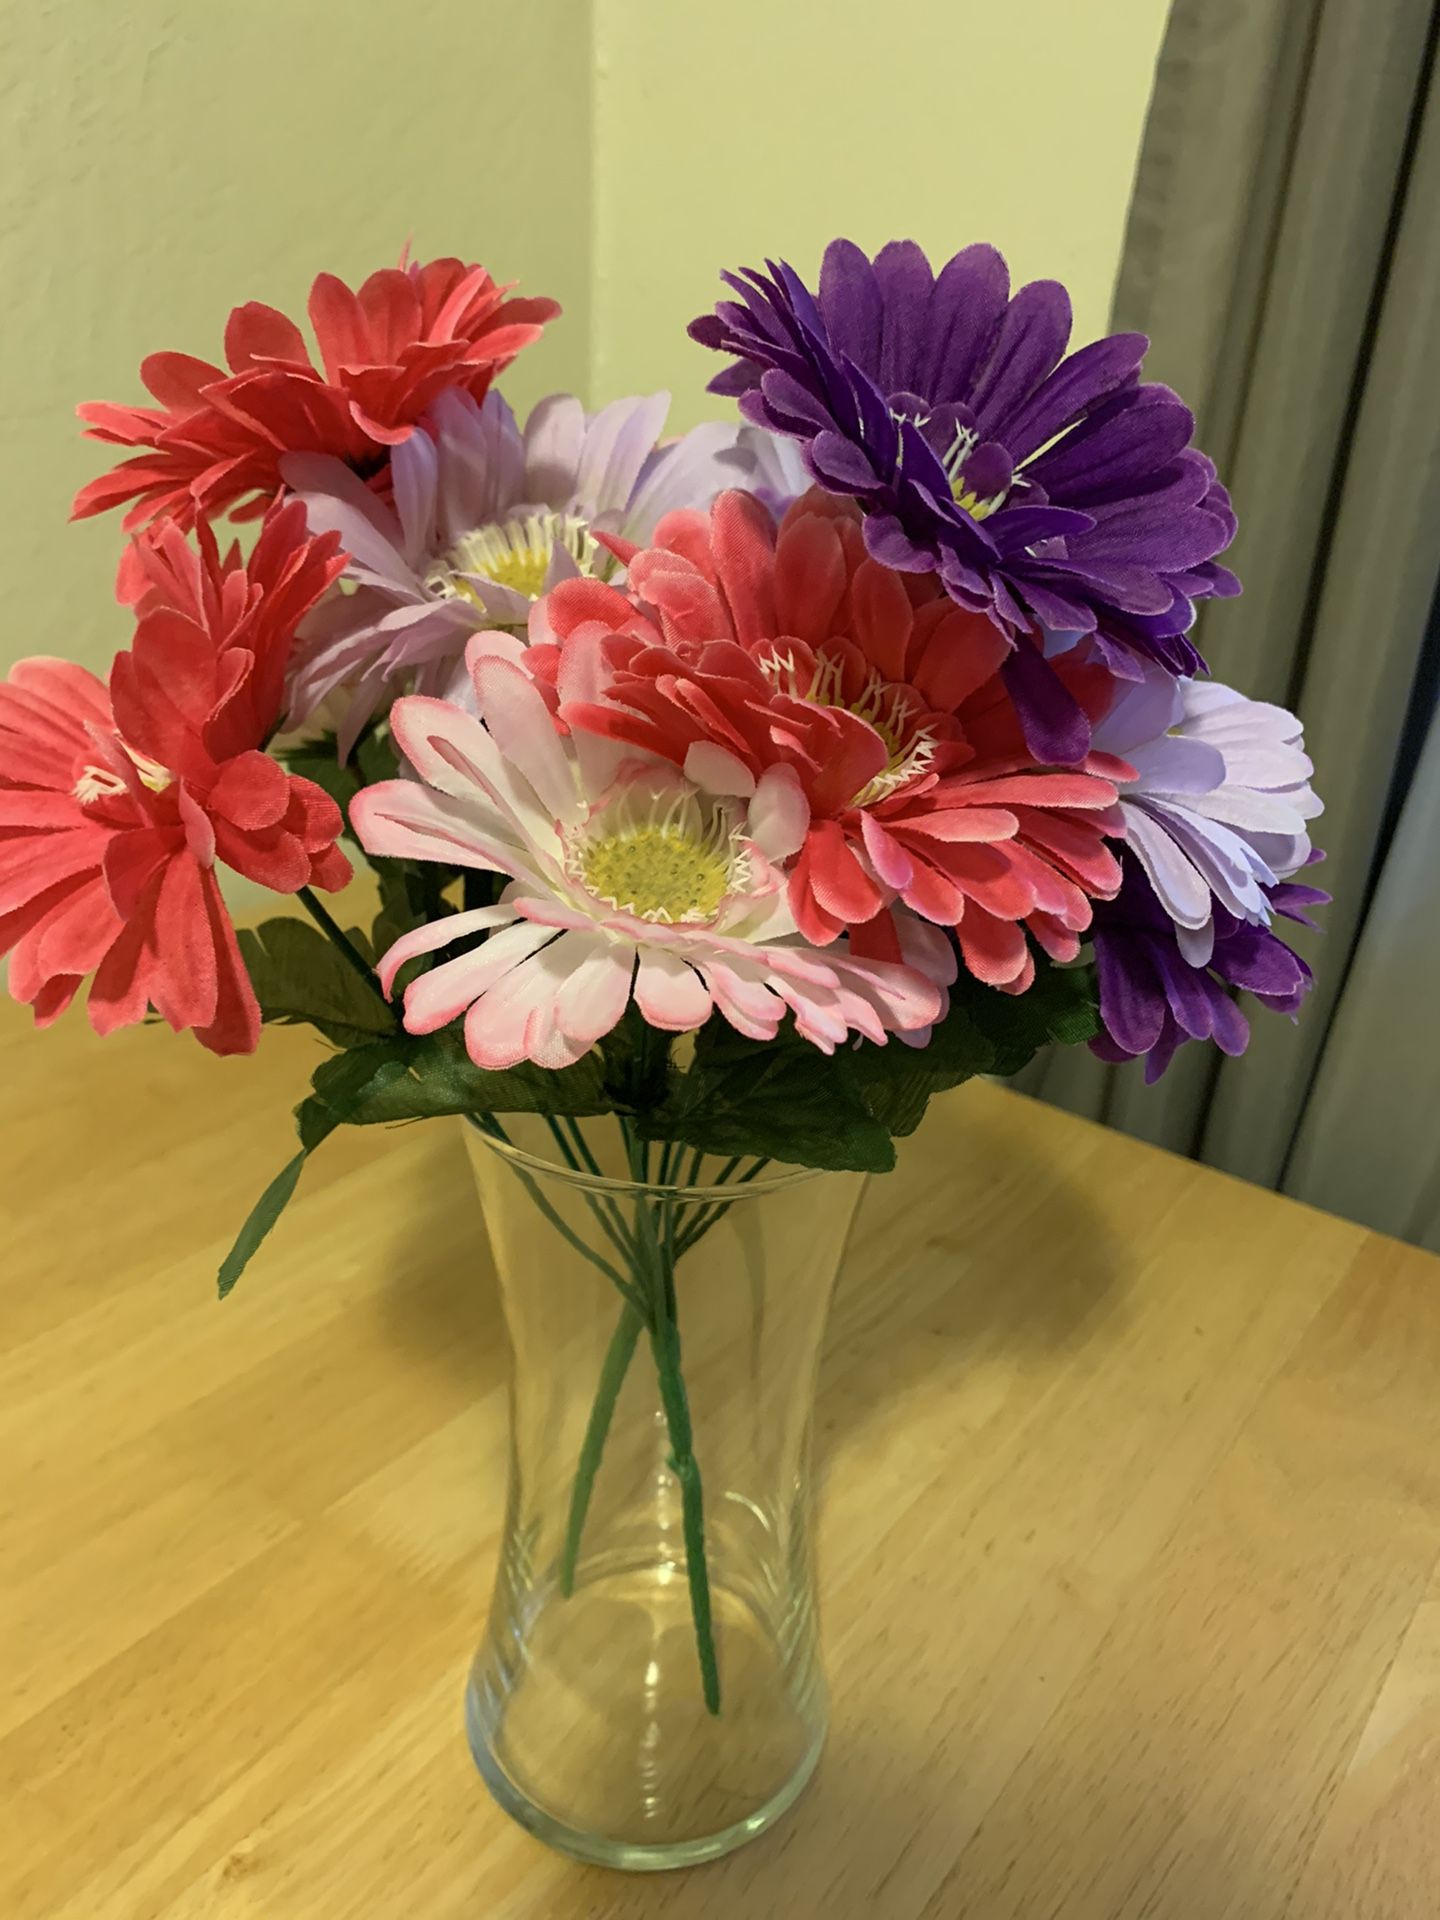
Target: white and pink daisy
(628, 879)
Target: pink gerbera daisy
(737, 647)
(626, 880)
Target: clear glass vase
(649, 1691)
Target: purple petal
(1291, 899)
(904, 277)
(966, 308)
(1253, 958)
(1053, 722)
(1137, 433)
(734, 380)
(1073, 389)
(1163, 1052)
(1056, 611)
(851, 303)
(1031, 340)
(840, 465)
(988, 471)
(888, 542)
(1191, 992)
(1019, 527)
(793, 403)
(1132, 1004)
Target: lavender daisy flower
(1047, 491)
(1217, 812)
(770, 466)
(1152, 999)
(485, 519)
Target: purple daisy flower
(1047, 491)
(486, 518)
(1152, 999)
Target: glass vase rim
(730, 1190)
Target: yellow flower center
(657, 873)
(514, 554)
(977, 508)
(660, 854)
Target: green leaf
(898, 1082)
(299, 976)
(436, 1077)
(781, 1098)
(636, 1064)
(338, 1084)
(263, 1215)
(343, 1084)
(1060, 1007)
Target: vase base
(599, 1744)
(603, 1850)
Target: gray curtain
(1283, 253)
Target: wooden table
(1131, 1521)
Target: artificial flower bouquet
(747, 788)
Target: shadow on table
(984, 1246)
(441, 1305)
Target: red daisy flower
(387, 349)
(116, 805)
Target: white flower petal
(714, 769)
(779, 814)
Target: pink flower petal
(437, 933)
(595, 992)
(524, 732)
(443, 994)
(670, 994)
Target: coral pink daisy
(116, 805)
(626, 880)
(738, 647)
(387, 349)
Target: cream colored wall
(162, 160)
(769, 126)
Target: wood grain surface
(1130, 1528)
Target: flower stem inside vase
(649, 1690)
